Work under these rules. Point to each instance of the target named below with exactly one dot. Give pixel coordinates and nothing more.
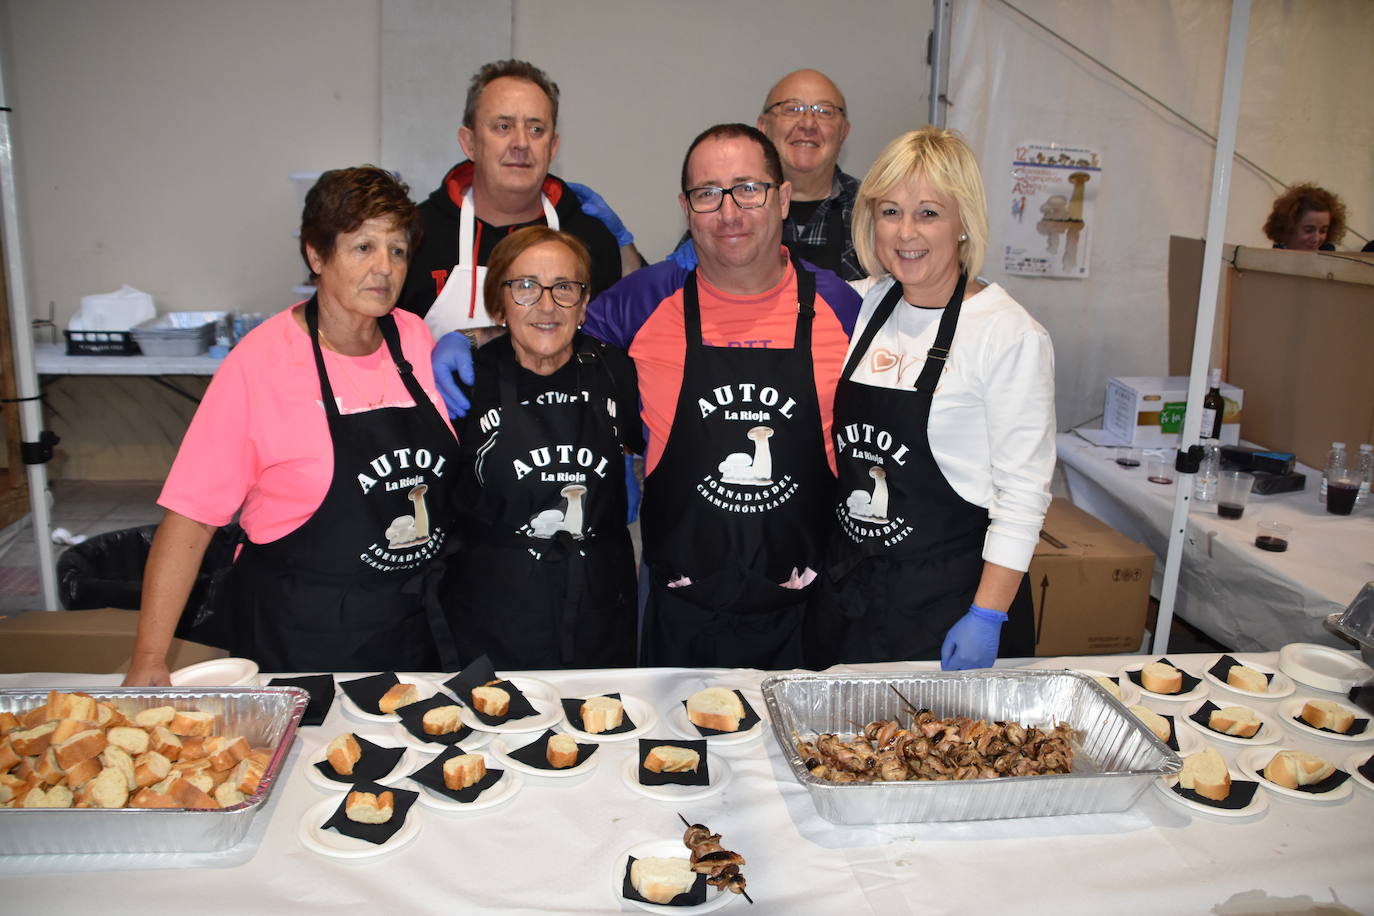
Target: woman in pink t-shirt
(321, 430)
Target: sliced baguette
(1234, 720)
(1327, 714)
(1205, 773)
(1153, 721)
(717, 708)
(441, 720)
(600, 714)
(464, 770)
(490, 701)
(669, 758)
(561, 752)
(343, 752)
(1247, 679)
(366, 808)
(659, 880)
(399, 695)
(1157, 677)
(1292, 769)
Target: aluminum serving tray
(1115, 756)
(266, 716)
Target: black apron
(906, 555)
(736, 527)
(342, 591)
(545, 577)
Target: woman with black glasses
(544, 577)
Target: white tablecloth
(1241, 596)
(553, 848)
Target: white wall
(155, 138)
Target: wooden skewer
(910, 707)
(742, 891)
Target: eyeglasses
(747, 196)
(792, 109)
(566, 294)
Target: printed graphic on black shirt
(865, 513)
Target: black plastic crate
(101, 343)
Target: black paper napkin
(321, 690)
(1223, 666)
(1318, 788)
(413, 716)
(694, 897)
(366, 692)
(1357, 727)
(536, 754)
(1242, 793)
(1202, 716)
(1367, 768)
(1189, 682)
(750, 719)
(479, 673)
(701, 776)
(572, 708)
(376, 761)
(373, 833)
(1362, 696)
(1173, 732)
(431, 776)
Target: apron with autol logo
(458, 306)
(342, 591)
(738, 502)
(545, 576)
(905, 556)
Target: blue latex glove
(632, 490)
(594, 205)
(684, 255)
(972, 641)
(452, 355)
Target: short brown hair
(516, 69)
(728, 131)
(1296, 201)
(343, 199)
(516, 244)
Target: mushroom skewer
(720, 865)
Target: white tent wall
(1305, 115)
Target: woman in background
(1306, 218)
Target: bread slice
(108, 790)
(228, 752)
(81, 746)
(561, 752)
(366, 808)
(164, 742)
(464, 770)
(669, 758)
(49, 771)
(227, 795)
(30, 742)
(1157, 677)
(1205, 773)
(68, 727)
(1153, 721)
(1234, 720)
(1291, 769)
(115, 758)
(1327, 714)
(134, 740)
(192, 723)
(55, 797)
(9, 758)
(83, 772)
(600, 714)
(151, 798)
(490, 701)
(717, 708)
(158, 715)
(399, 695)
(1109, 684)
(1248, 679)
(71, 706)
(248, 773)
(442, 720)
(659, 880)
(343, 752)
(8, 721)
(151, 767)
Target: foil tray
(266, 716)
(1115, 756)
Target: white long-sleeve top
(992, 419)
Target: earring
(963, 238)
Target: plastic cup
(1233, 492)
(1341, 490)
(1160, 471)
(1273, 536)
(1128, 458)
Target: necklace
(349, 371)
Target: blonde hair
(946, 160)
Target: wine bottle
(1213, 408)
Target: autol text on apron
(404, 459)
(765, 396)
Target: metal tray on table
(266, 716)
(1115, 756)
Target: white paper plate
(669, 849)
(1258, 803)
(501, 751)
(472, 742)
(1256, 759)
(505, 789)
(1197, 693)
(337, 846)
(423, 686)
(218, 672)
(1289, 710)
(1352, 766)
(1323, 667)
(638, 711)
(409, 761)
(1279, 687)
(682, 727)
(1189, 741)
(542, 695)
(1130, 693)
(720, 778)
(1268, 733)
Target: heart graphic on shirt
(882, 360)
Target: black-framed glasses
(792, 109)
(746, 195)
(566, 294)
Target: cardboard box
(93, 642)
(1090, 584)
(1147, 411)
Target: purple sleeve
(615, 316)
(843, 301)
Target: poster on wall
(1050, 227)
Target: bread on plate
(399, 695)
(561, 751)
(669, 758)
(1159, 677)
(464, 770)
(659, 879)
(601, 714)
(490, 701)
(1327, 714)
(1234, 720)
(1247, 679)
(1205, 773)
(366, 808)
(1292, 769)
(342, 753)
(717, 708)
(1153, 721)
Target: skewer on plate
(722, 866)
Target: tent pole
(938, 57)
(1206, 305)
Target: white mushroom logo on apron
(410, 530)
(551, 521)
(746, 483)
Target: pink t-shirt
(260, 440)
